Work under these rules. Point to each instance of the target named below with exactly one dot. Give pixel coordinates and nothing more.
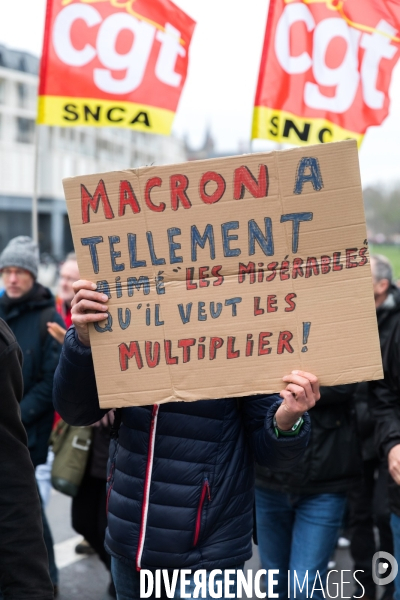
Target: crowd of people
(189, 485)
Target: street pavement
(85, 578)
(80, 578)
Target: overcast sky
(225, 53)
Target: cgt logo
(120, 73)
(384, 564)
(335, 35)
(119, 63)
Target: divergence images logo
(381, 561)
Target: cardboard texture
(224, 275)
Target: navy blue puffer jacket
(181, 476)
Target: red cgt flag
(120, 63)
(325, 69)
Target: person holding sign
(181, 474)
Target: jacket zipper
(204, 491)
(147, 482)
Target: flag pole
(35, 228)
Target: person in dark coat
(368, 502)
(181, 474)
(23, 558)
(386, 407)
(27, 306)
(299, 514)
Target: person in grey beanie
(27, 306)
(21, 252)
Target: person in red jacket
(69, 273)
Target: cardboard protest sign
(224, 275)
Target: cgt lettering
(117, 73)
(335, 88)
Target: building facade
(61, 152)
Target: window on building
(23, 95)
(104, 146)
(2, 91)
(134, 158)
(86, 143)
(63, 140)
(25, 130)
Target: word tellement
(196, 239)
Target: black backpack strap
(117, 423)
(45, 316)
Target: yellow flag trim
(64, 111)
(285, 127)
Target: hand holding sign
(301, 394)
(87, 299)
